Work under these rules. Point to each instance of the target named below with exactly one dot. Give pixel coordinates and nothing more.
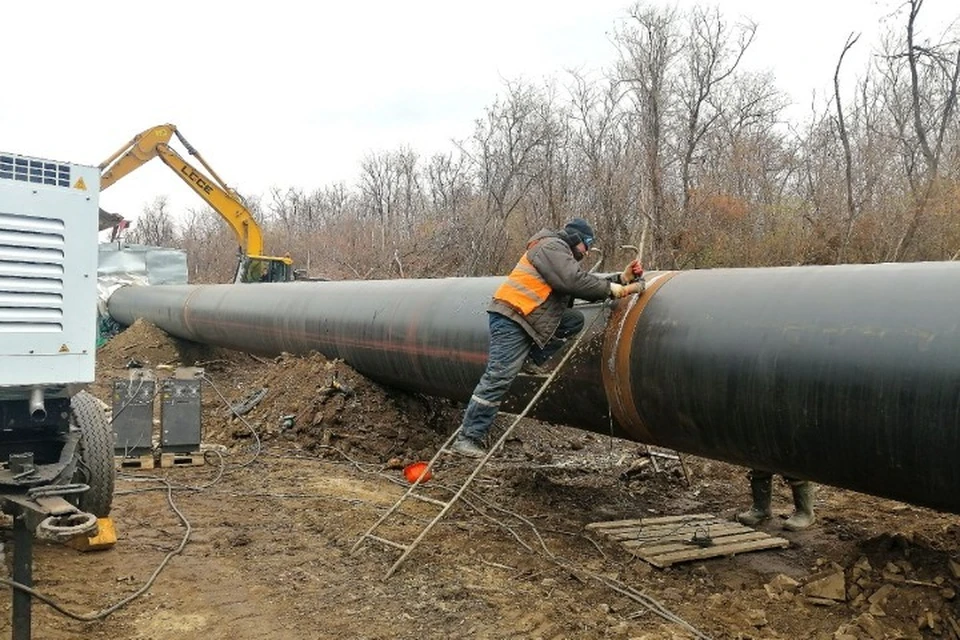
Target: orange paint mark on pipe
(615, 366)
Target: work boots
(802, 517)
(761, 488)
(467, 447)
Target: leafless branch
(845, 141)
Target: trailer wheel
(95, 466)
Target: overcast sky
(289, 93)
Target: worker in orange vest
(530, 318)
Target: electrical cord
(134, 477)
(637, 596)
(258, 445)
(647, 601)
(103, 613)
(170, 488)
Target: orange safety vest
(524, 289)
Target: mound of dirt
(310, 402)
(141, 344)
(314, 403)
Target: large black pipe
(847, 375)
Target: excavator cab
(264, 269)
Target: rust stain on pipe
(615, 368)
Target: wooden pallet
(168, 460)
(673, 539)
(146, 461)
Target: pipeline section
(847, 375)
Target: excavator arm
(155, 142)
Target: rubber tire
(96, 454)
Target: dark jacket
(553, 259)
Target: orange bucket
(417, 470)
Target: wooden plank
(663, 528)
(600, 526)
(678, 534)
(388, 542)
(668, 540)
(684, 534)
(134, 462)
(654, 533)
(168, 460)
(613, 524)
(672, 519)
(661, 549)
(668, 559)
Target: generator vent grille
(23, 169)
(31, 274)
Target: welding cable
(648, 601)
(258, 447)
(639, 597)
(133, 477)
(103, 613)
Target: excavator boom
(155, 142)
(138, 151)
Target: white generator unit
(56, 445)
(48, 273)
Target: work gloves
(621, 291)
(631, 280)
(631, 272)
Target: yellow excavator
(155, 142)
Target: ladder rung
(473, 475)
(389, 543)
(417, 496)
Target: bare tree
(391, 194)
(676, 138)
(845, 141)
(155, 226)
(746, 165)
(447, 185)
(606, 159)
(505, 154)
(649, 48)
(934, 71)
(211, 247)
(714, 51)
(451, 197)
(551, 198)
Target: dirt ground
(267, 527)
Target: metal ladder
(445, 506)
